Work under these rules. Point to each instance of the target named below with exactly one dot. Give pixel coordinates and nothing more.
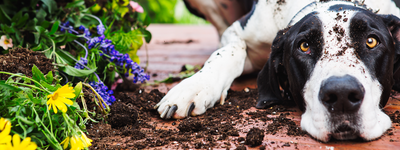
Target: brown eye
(371, 42)
(304, 47)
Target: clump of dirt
(254, 137)
(21, 60)
(280, 2)
(190, 124)
(122, 114)
(280, 122)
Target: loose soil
(21, 60)
(219, 127)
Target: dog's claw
(190, 109)
(156, 106)
(171, 111)
(164, 112)
(266, 103)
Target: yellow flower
(5, 128)
(77, 142)
(86, 140)
(59, 97)
(26, 144)
(65, 143)
(5, 42)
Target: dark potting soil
(21, 60)
(217, 128)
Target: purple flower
(103, 91)
(80, 63)
(85, 30)
(100, 29)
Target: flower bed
(80, 48)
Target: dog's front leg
(194, 95)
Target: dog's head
(337, 64)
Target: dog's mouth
(345, 132)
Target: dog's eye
(304, 47)
(371, 42)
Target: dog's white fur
(246, 50)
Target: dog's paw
(192, 97)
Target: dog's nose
(341, 94)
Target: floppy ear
(268, 80)
(393, 24)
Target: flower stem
(99, 98)
(90, 15)
(52, 139)
(80, 44)
(12, 74)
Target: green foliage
(36, 24)
(23, 101)
(160, 11)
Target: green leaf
(17, 16)
(37, 74)
(41, 15)
(123, 11)
(7, 28)
(147, 35)
(78, 90)
(48, 86)
(54, 28)
(9, 87)
(77, 72)
(75, 4)
(4, 18)
(51, 5)
(146, 21)
(75, 105)
(21, 22)
(49, 77)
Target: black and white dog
(336, 59)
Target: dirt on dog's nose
(341, 94)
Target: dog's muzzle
(342, 95)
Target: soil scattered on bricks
(220, 127)
(21, 60)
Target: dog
(337, 60)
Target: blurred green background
(168, 11)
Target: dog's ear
(393, 25)
(270, 76)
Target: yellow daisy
(59, 97)
(5, 128)
(26, 144)
(77, 142)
